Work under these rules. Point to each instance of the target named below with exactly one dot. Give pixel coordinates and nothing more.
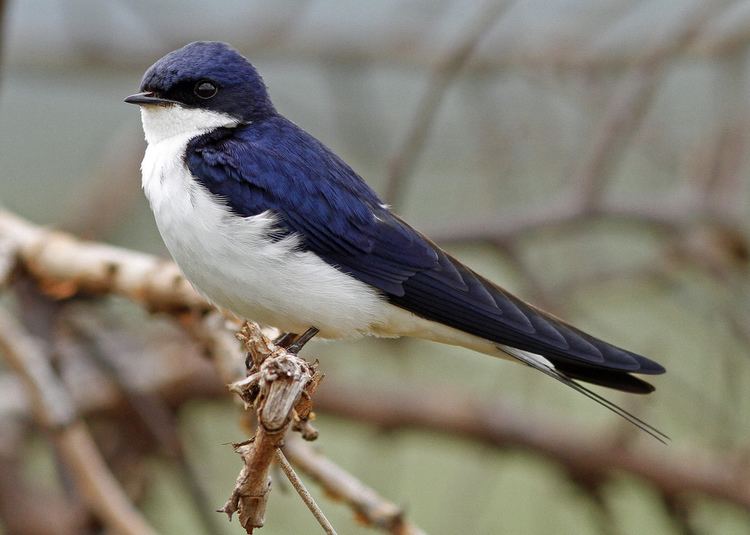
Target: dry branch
(30, 509)
(668, 215)
(54, 409)
(66, 268)
(447, 70)
(8, 252)
(585, 457)
(65, 265)
(278, 387)
(494, 423)
(370, 507)
(630, 103)
(384, 45)
(112, 351)
(296, 482)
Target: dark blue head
(208, 75)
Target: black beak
(148, 98)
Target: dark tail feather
(601, 377)
(611, 379)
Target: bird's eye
(205, 89)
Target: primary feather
(269, 223)
(274, 165)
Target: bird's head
(201, 86)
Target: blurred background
(588, 155)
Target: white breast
(231, 260)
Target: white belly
(231, 261)
(234, 264)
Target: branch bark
(296, 482)
(279, 388)
(66, 265)
(586, 458)
(54, 409)
(368, 505)
(495, 423)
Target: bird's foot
(296, 346)
(285, 339)
(292, 342)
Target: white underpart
(530, 359)
(233, 262)
(164, 122)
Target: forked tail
(546, 367)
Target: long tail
(546, 367)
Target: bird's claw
(296, 346)
(285, 340)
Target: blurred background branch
(587, 155)
(444, 73)
(589, 461)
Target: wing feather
(279, 167)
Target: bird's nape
(269, 223)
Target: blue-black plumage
(240, 186)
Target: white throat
(163, 122)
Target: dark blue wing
(277, 166)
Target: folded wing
(281, 168)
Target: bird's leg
(300, 342)
(285, 339)
(289, 341)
